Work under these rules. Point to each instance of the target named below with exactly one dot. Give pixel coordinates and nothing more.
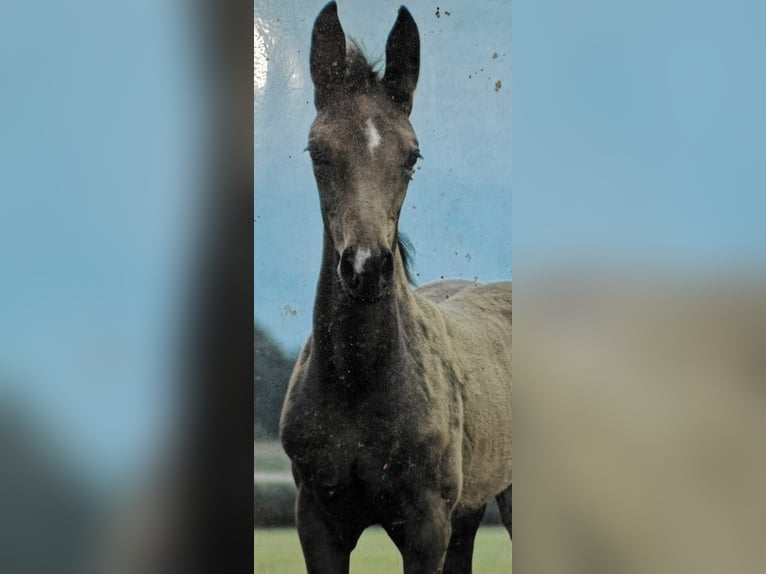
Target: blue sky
(639, 132)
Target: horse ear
(402, 60)
(328, 54)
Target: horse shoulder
(290, 424)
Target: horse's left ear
(402, 60)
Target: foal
(398, 411)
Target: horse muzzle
(366, 276)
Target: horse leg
(326, 547)
(460, 550)
(504, 504)
(424, 536)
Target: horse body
(398, 411)
(478, 336)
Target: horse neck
(361, 340)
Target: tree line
(272, 370)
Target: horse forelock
(361, 75)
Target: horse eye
(320, 154)
(412, 159)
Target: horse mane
(406, 250)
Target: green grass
(277, 551)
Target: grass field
(277, 551)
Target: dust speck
(494, 55)
(289, 311)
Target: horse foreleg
(326, 547)
(424, 536)
(460, 551)
(504, 504)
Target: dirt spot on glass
(290, 311)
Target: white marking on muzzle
(373, 136)
(360, 257)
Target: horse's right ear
(328, 54)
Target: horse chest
(370, 446)
(357, 455)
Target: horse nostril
(387, 265)
(347, 272)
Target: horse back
(439, 291)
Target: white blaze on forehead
(360, 257)
(372, 134)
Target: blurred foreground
(639, 423)
(126, 257)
